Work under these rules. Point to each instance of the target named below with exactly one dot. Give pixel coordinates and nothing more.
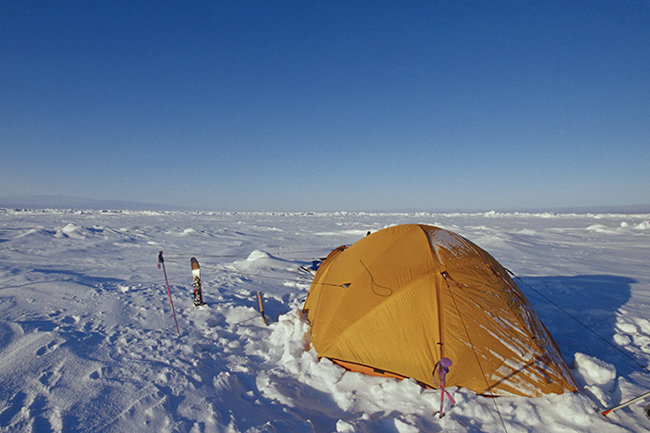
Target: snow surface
(88, 342)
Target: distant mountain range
(66, 202)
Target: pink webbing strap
(443, 368)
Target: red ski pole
(161, 261)
(627, 403)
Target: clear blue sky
(327, 105)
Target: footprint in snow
(43, 419)
(48, 348)
(50, 378)
(97, 374)
(12, 408)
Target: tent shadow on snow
(595, 300)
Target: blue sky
(327, 105)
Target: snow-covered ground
(88, 342)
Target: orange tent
(399, 300)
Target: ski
(315, 264)
(305, 270)
(196, 282)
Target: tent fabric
(397, 301)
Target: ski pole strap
(443, 368)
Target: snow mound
(645, 225)
(36, 232)
(598, 377)
(623, 227)
(601, 228)
(71, 231)
(256, 261)
(594, 371)
(262, 261)
(258, 255)
(352, 234)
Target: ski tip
(194, 262)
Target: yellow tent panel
(399, 300)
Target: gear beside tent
(399, 300)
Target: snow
(88, 343)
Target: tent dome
(397, 301)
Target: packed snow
(88, 342)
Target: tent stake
(627, 403)
(259, 300)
